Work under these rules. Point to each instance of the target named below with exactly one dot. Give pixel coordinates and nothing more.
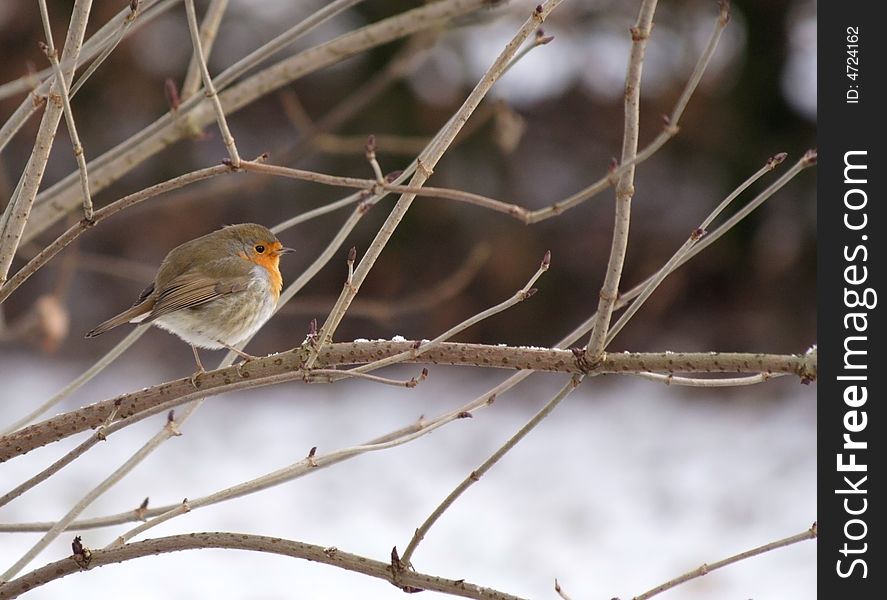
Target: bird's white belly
(230, 319)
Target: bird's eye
(260, 248)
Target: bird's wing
(193, 289)
(141, 308)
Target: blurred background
(625, 485)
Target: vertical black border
(843, 127)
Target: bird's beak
(284, 251)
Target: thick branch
(289, 366)
(88, 559)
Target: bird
(214, 291)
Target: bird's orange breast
(271, 264)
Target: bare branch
(86, 500)
(640, 33)
(210, 93)
(209, 27)
(52, 55)
(291, 366)
(100, 435)
(475, 475)
(19, 209)
(705, 569)
(241, 541)
(425, 165)
(695, 236)
(115, 163)
(74, 231)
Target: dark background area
(751, 291)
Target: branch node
(82, 554)
(724, 17)
(310, 458)
(396, 565)
(698, 233)
(810, 157)
(420, 166)
(142, 510)
(171, 426)
(639, 34)
(171, 91)
(230, 164)
(541, 38)
(776, 160)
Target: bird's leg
(239, 353)
(246, 357)
(200, 370)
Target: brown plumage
(213, 291)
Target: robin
(214, 291)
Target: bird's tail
(128, 316)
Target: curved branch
(705, 569)
(409, 581)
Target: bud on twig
(171, 90)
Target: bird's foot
(195, 377)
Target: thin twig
(712, 382)
(405, 61)
(75, 230)
(95, 45)
(210, 93)
(86, 500)
(383, 310)
(475, 475)
(807, 371)
(79, 381)
(427, 346)
(425, 165)
(309, 464)
(333, 375)
(100, 435)
(695, 236)
(640, 33)
(560, 591)
(209, 28)
(94, 65)
(52, 55)
(120, 160)
(705, 569)
(20, 210)
(670, 130)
